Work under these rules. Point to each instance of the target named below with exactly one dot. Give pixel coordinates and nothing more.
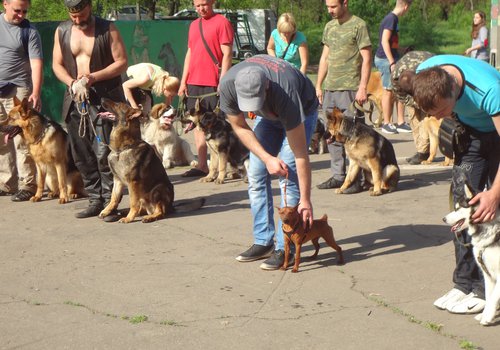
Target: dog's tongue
(455, 227)
(10, 132)
(6, 138)
(189, 127)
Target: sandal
(194, 172)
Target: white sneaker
(453, 296)
(388, 129)
(471, 304)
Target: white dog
(485, 239)
(158, 131)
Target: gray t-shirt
(15, 62)
(291, 95)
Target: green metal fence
(161, 42)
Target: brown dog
(135, 164)
(293, 230)
(431, 128)
(48, 145)
(375, 91)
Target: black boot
(92, 210)
(417, 158)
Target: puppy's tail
(188, 205)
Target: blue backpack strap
(25, 35)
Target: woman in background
(289, 44)
(479, 34)
(145, 78)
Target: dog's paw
(63, 200)
(339, 191)
(193, 164)
(219, 181)
(124, 220)
(207, 179)
(35, 199)
(294, 270)
(375, 193)
(426, 162)
(52, 195)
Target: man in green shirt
(343, 74)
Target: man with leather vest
(89, 57)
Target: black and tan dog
(293, 231)
(135, 164)
(367, 150)
(225, 147)
(48, 145)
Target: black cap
(76, 5)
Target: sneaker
(389, 129)
(405, 127)
(22, 196)
(453, 296)
(330, 183)
(417, 158)
(276, 260)
(471, 304)
(6, 193)
(255, 252)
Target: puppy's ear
(156, 110)
(25, 104)
(296, 208)
(17, 101)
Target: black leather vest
(101, 58)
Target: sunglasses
(18, 11)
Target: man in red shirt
(203, 69)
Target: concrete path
(69, 283)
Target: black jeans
(91, 154)
(480, 164)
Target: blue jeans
(272, 136)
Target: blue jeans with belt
(272, 136)
(480, 164)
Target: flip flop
(194, 172)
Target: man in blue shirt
(470, 88)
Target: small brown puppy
(293, 230)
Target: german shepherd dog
(485, 239)
(159, 132)
(225, 147)
(48, 145)
(367, 150)
(135, 164)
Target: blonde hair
(164, 81)
(286, 23)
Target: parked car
(129, 13)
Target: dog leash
(82, 128)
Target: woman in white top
(145, 79)
(479, 34)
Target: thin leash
(83, 110)
(284, 188)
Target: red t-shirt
(217, 31)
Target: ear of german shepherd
(135, 164)
(367, 150)
(48, 145)
(225, 147)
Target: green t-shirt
(344, 59)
